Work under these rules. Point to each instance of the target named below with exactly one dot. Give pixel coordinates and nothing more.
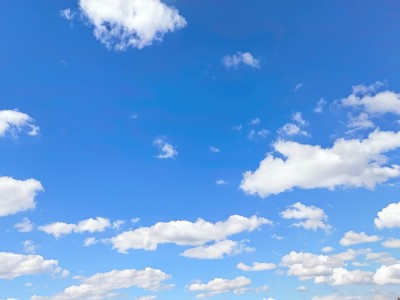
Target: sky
(168, 149)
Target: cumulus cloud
(221, 182)
(391, 243)
(120, 24)
(327, 249)
(106, 285)
(219, 286)
(166, 149)
(17, 195)
(25, 226)
(58, 229)
(185, 233)
(218, 250)
(14, 265)
(296, 128)
(370, 100)
(152, 297)
(256, 266)
(14, 122)
(314, 217)
(354, 238)
(387, 275)
(349, 163)
(388, 217)
(246, 58)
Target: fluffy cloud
(391, 243)
(388, 275)
(25, 226)
(256, 266)
(121, 24)
(292, 129)
(99, 224)
(217, 250)
(185, 233)
(220, 285)
(14, 121)
(14, 265)
(354, 238)
(373, 102)
(319, 109)
(314, 217)
(349, 163)
(246, 58)
(166, 149)
(388, 217)
(361, 121)
(17, 195)
(105, 285)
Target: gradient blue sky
(161, 128)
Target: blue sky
(199, 149)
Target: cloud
(152, 297)
(293, 129)
(17, 195)
(256, 266)
(67, 14)
(246, 58)
(298, 86)
(354, 238)
(120, 24)
(185, 233)
(166, 150)
(14, 122)
(58, 229)
(349, 163)
(254, 134)
(315, 218)
(373, 102)
(219, 286)
(14, 265)
(359, 122)
(105, 285)
(214, 149)
(388, 217)
(218, 250)
(327, 249)
(255, 121)
(319, 109)
(391, 243)
(25, 226)
(29, 246)
(388, 275)
(221, 182)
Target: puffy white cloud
(391, 243)
(292, 129)
(25, 226)
(14, 121)
(327, 249)
(58, 229)
(217, 250)
(246, 58)
(361, 121)
(220, 285)
(221, 182)
(302, 289)
(372, 101)
(319, 109)
(105, 285)
(256, 266)
(14, 265)
(17, 195)
(185, 233)
(354, 238)
(166, 149)
(388, 217)
(152, 297)
(387, 275)
(314, 217)
(380, 257)
(349, 163)
(121, 24)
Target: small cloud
(246, 58)
(214, 149)
(298, 86)
(319, 109)
(29, 246)
(134, 116)
(277, 237)
(25, 226)
(238, 128)
(292, 129)
(327, 249)
(135, 220)
(166, 149)
(221, 182)
(67, 14)
(262, 133)
(90, 241)
(255, 121)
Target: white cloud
(314, 217)
(388, 217)
(29, 246)
(58, 229)
(354, 238)
(221, 182)
(152, 297)
(359, 122)
(349, 163)
(302, 289)
(255, 121)
(298, 86)
(319, 109)
(218, 250)
(373, 102)
(25, 226)
(121, 24)
(220, 285)
(185, 233)
(105, 285)
(67, 14)
(327, 249)
(391, 243)
(388, 275)
(17, 195)
(14, 265)
(256, 266)
(246, 58)
(14, 121)
(214, 149)
(293, 129)
(166, 149)
(253, 134)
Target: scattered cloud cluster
(294, 128)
